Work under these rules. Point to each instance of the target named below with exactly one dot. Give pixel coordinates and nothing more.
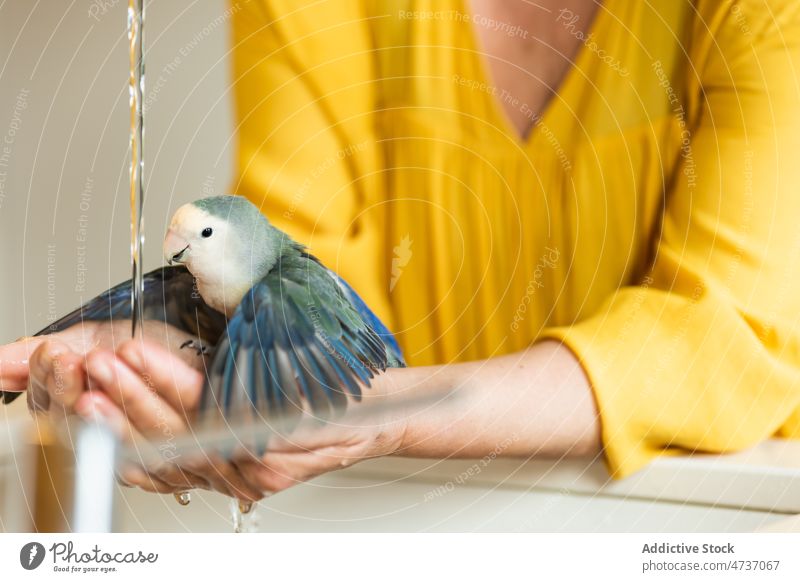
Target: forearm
(534, 402)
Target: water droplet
(183, 497)
(244, 516)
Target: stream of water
(136, 88)
(136, 91)
(243, 515)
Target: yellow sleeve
(304, 89)
(704, 354)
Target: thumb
(14, 363)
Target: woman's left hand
(143, 388)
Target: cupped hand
(150, 389)
(51, 367)
(143, 389)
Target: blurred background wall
(64, 122)
(64, 206)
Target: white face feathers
(226, 253)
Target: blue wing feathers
(372, 320)
(314, 344)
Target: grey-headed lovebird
(281, 331)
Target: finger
(279, 471)
(148, 413)
(94, 406)
(135, 476)
(173, 379)
(124, 475)
(200, 465)
(224, 477)
(212, 477)
(263, 477)
(131, 475)
(68, 380)
(56, 379)
(37, 399)
(40, 371)
(15, 362)
(179, 477)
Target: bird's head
(222, 240)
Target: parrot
(281, 332)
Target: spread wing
(170, 296)
(294, 342)
(396, 359)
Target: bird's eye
(207, 232)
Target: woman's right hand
(51, 368)
(57, 372)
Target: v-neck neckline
(485, 73)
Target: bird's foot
(202, 350)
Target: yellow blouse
(649, 221)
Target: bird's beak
(175, 247)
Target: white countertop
(764, 478)
(755, 489)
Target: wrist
(392, 424)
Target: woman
(578, 215)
